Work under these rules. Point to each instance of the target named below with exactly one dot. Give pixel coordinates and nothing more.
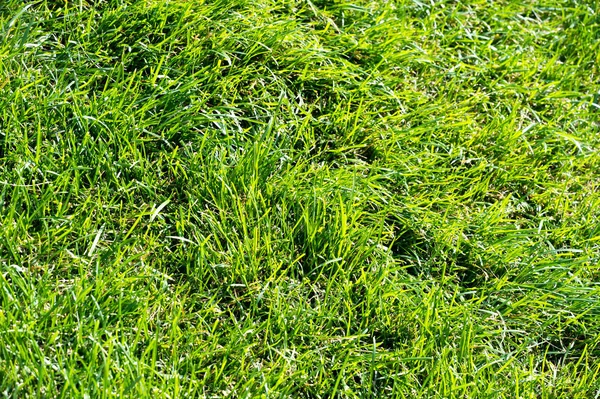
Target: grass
(300, 199)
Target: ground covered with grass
(299, 199)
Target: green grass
(300, 199)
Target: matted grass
(299, 199)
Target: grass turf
(299, 199)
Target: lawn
(299, 199)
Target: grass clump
(299, 199)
